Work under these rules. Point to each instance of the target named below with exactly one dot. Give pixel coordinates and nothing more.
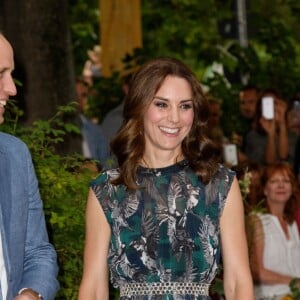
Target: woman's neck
(160, 161)
(277, 210)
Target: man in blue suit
(28, 265)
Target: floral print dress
(168, 230)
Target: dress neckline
(178, 166)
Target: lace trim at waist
(161, 288)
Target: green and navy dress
(165, 237)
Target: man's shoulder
(116, 112)
(9, 142)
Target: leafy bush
(63, 182)
(295, 288)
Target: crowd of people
(268, 156)
(170, 216)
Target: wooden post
(120, 33)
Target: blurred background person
(94, 142)
(92, 67)
(268, 140)
(294, 126)
(273, 235)
(113, 120)
(214, 130)
(297, 159)
(298, 208)
(293, 116)
(248, 98)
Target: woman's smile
(169, 130)
(169, 117)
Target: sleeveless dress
(167, 232)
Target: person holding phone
(268, 141)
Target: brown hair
(283, 168)
(129, 145)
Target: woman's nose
(174, 115)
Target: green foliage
(217, 287)
(63, 183)
(193, 31)
(182, 29)
(84, 22)
(295, 288)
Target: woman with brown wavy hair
(158, 223)
(275, 242)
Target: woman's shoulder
(224, 173)
(105, 176)
(104, 190)
(266, 220)
(220, 184)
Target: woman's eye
(187, 106)
(160, 104)
(277, 181)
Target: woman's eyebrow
(160, 98)
(166, 99)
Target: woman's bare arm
(94, 284)
(237, 275)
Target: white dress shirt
(3, 277)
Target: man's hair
(249, 87)
(272, 91)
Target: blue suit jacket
(30, 259)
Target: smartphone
(230, 154)
(268, 107)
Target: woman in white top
(274, 241)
